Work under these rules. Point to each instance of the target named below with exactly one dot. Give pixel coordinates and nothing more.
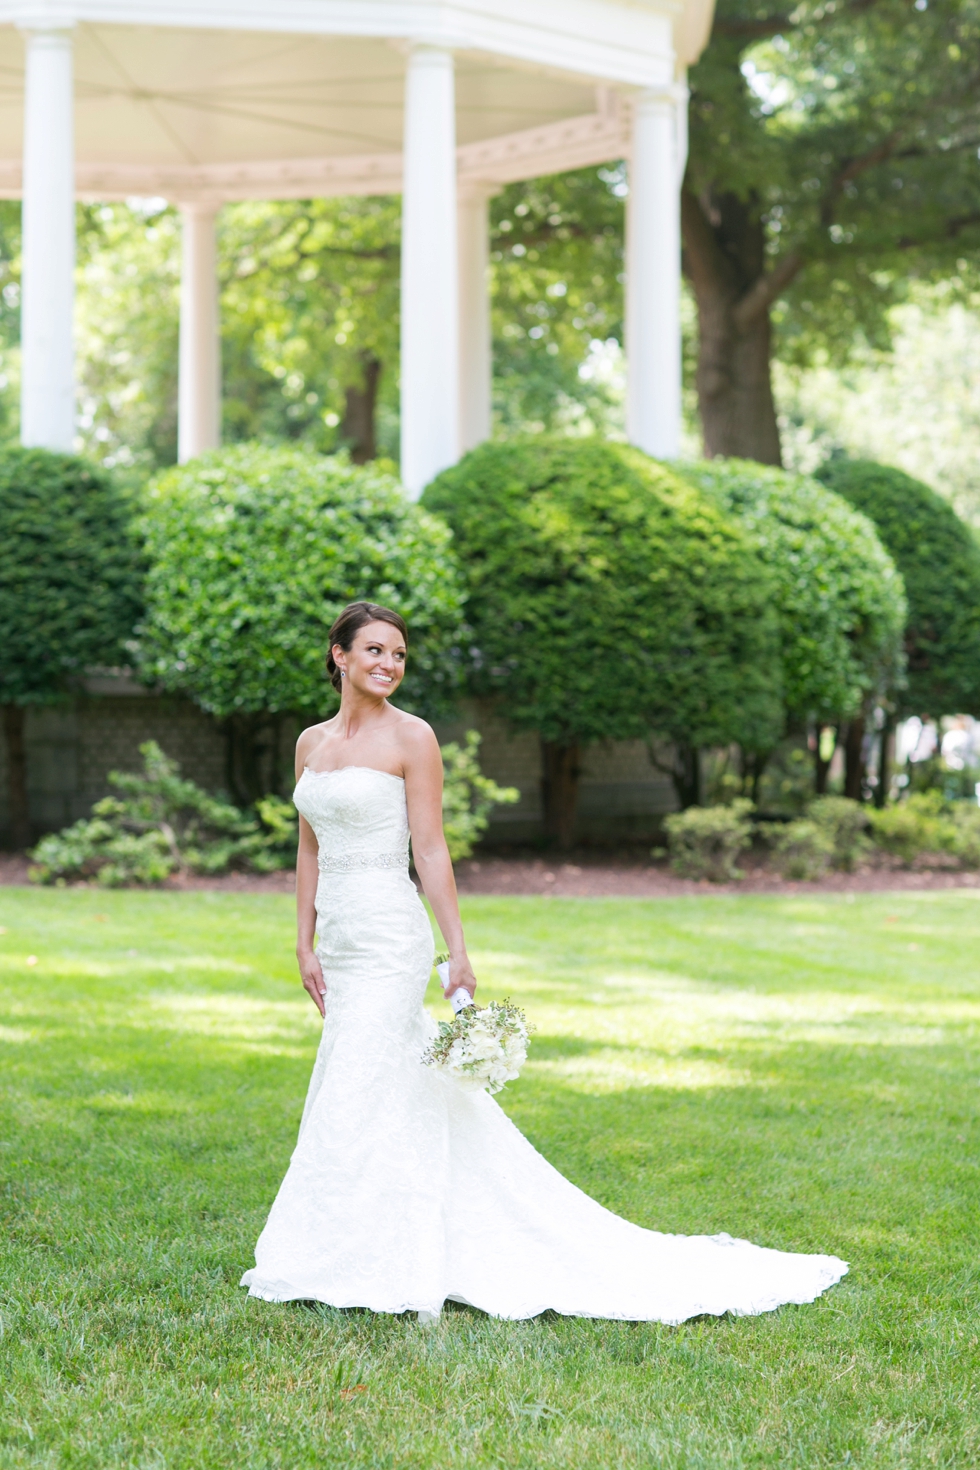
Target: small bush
(965, 820)
(468, 795)
(803, 849)
(915, 827)
(162, 825)
(845, 824)
(704, 842)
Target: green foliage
(802, 850)
(556, 250)
(161, 825)
(705, 841)
(608, 597)
(939, 559)
(844, 823)
(311, 292)
(255, 550)
(844, 137)
(840, 600)
(468, 795)
(924, 825)
(70, 574)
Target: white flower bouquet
(484, 1047)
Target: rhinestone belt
(355, 862)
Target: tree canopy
(608, 599)
(833, 150)
(939, 559)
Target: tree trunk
(559, 791)
(854, 759)
(357, 428)
(686, 775)
(18, 810)
(251, 757)
(885, 746)
(754, 764)
(725, 261)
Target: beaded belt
(354, 862)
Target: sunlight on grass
(802, 1071)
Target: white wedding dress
(404, 1190)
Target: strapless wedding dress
(404, 1190)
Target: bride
(405, 1191)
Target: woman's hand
(312, 976)
(461, 975)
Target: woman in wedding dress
(404, 1190)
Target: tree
(939, 559)
(608, 600)
(840, 599)
(253, 551)
(832, 150)
(70, 591)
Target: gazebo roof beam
(575, 143)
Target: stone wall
(72, 747)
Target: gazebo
(203, 102)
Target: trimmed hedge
(71, 574)
(254, 551)
(609, 598)
(938, 556)
(840, 598)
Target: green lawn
(802, 1071)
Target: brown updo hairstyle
(349, 623)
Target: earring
(343, 673)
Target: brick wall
(72, 747)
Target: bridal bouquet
(483, 1047)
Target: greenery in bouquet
(161, 824)
(482, 1047)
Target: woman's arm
(307, 875)
(423, 791)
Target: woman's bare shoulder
(415, 737)
(310, 738)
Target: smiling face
(374, 665)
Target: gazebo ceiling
(229, 99)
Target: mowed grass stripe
(803, 1071)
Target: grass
(802, 1071)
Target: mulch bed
(588, 874)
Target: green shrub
(938, 556)
(915, 827)
(965, 818)
(71, 575)
(845, 824)
(841, 604)
(253, 552)
(705, 841)
(802, 849)
(162, 825)
(608, 598)
(468, 795)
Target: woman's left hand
(461, 976)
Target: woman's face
(374, 665)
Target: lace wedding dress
(404, 1190)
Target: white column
(47, 397)
(429, 302)
(199, 389)
(475, 353)
(653, 278)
